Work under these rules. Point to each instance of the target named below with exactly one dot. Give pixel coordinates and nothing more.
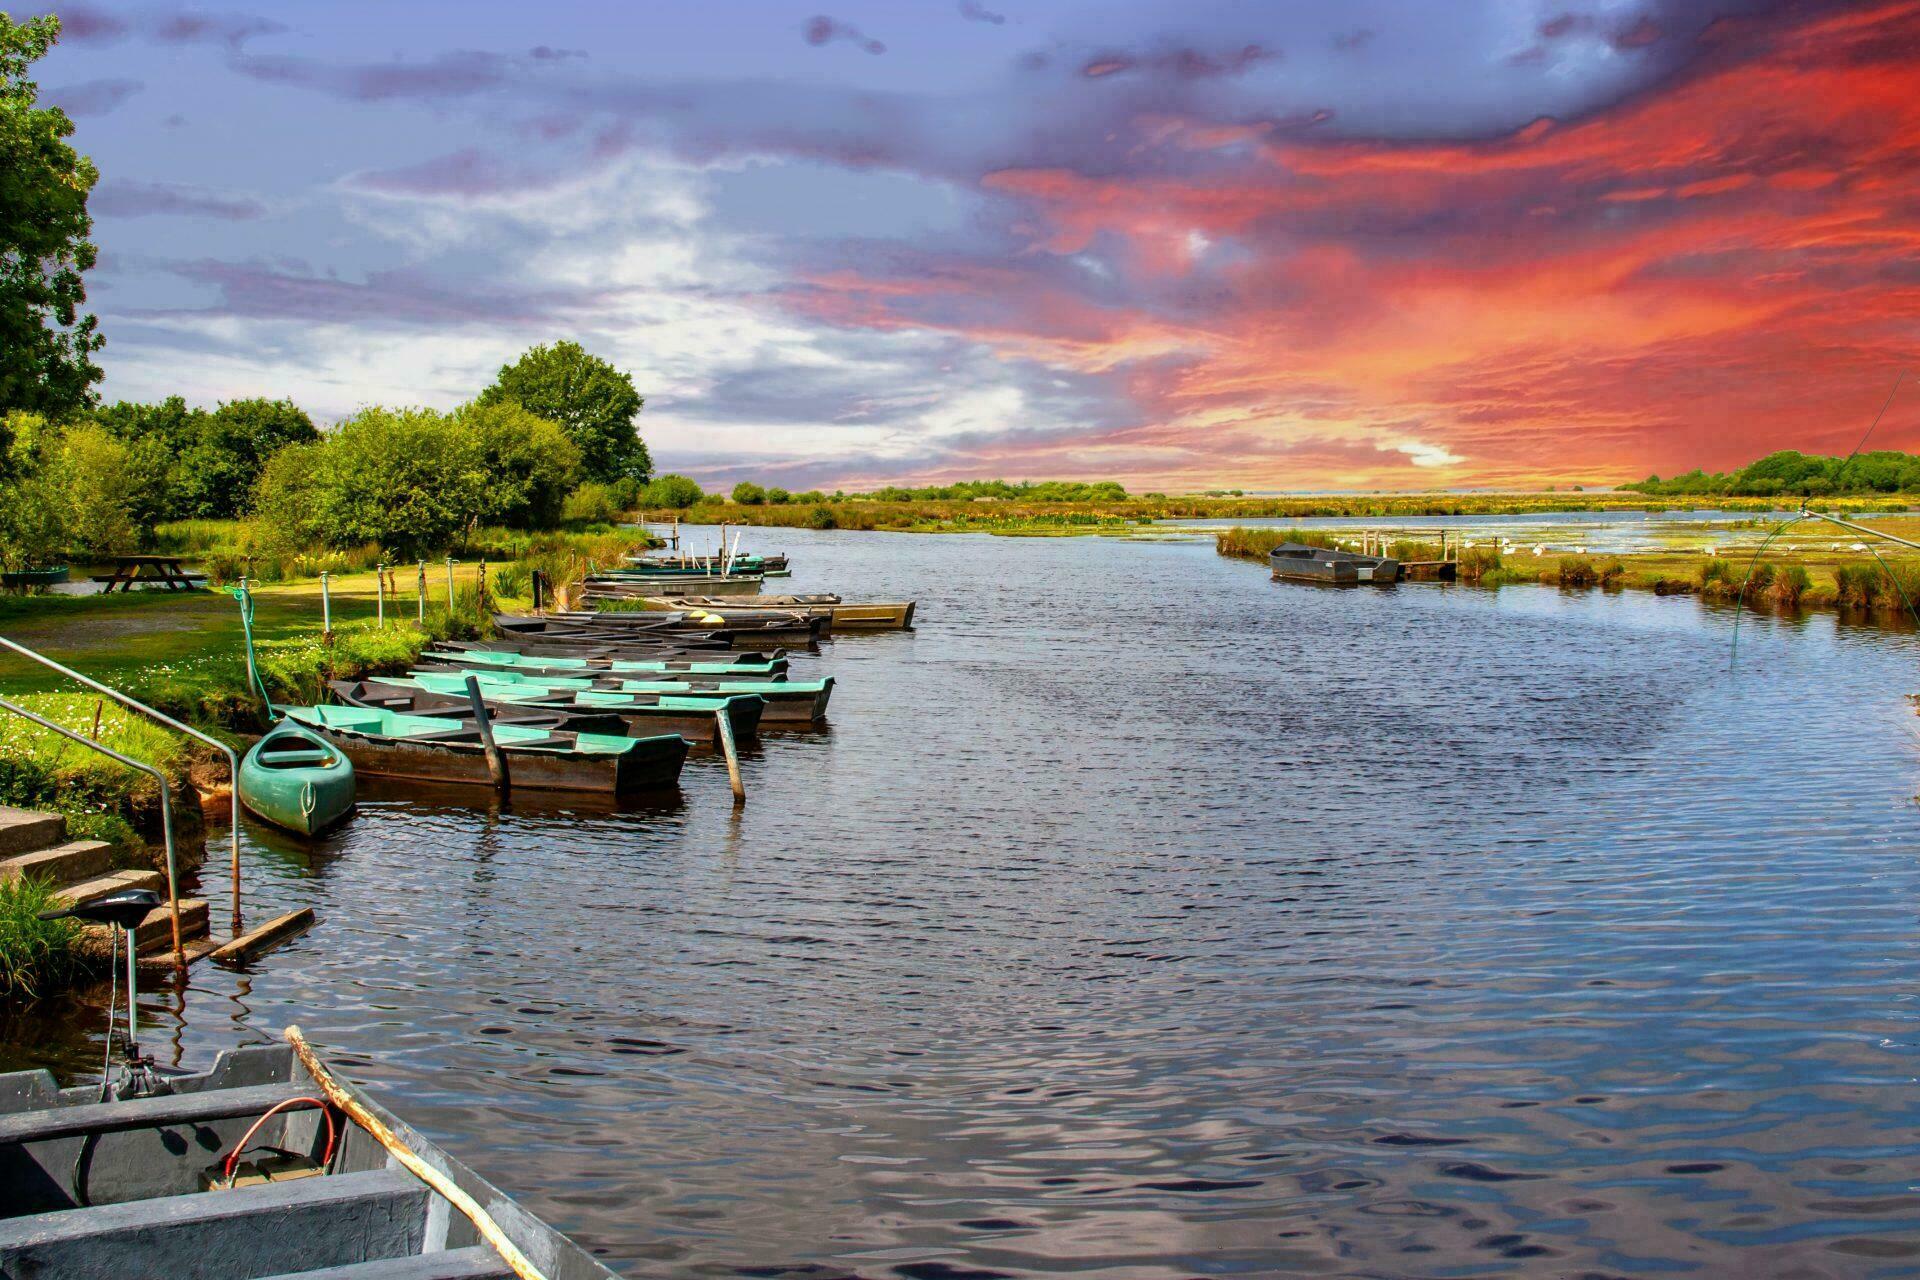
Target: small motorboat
(267, 1164)
(296, 780)
(575, 709)
(393, 744)
(1296, 562)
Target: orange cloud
(1721, 266)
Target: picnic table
(158, 569)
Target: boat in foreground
(297, 780)
(1298, 563)
(839, 614)
(162, 1185)
(389, 744)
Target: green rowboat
(296, 780)
(392, 744)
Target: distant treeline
(1789, 473)
(749, 494)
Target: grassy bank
(35, 955)
(227, 550)
(1017, 517)
(1818, 571)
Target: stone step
(155, 933)
(112, 882)
(23, 830)
(62, 864)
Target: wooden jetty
(266, 1165)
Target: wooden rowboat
(444, 695)
(1298, 563)
(841, 616)
(296, 780)
(52, 576)
(697, 627)
(387, 744)
(141, 1187)
(532, 657)
(788, 701)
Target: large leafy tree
(593, 402)
(46, 345)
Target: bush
(92, 469)
(749, 494)
(1577, 571)
(1858, 585)
(822, 518)
(1715, 573)
(514, 581)
(1789, 584)
(778, 497)
(592, 503)
(671, 492)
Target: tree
(91, 469)
(592, 401)
(407, 479)
(46, 345)
(286, 497)
(225, 451)
(33, 510)
(671, 492)
(530, 463)
(749, 494)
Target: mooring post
(539, 590)
(480, 595)
(380, 595)
(723, 734)
(326, 610)
(496, 759)
(420, 594)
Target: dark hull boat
(578, 710)
(712, 584)
(763, 632)
(93, 1190)
(838, 614)
(1297, 563)
(572, 637)
(388, 744)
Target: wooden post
(380, 595)
(326, 611)
(480, 596)
(539, 589)
(449, 589)
(420, 594)
(496, 758)
(723, 734)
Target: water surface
(1142, 917)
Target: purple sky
(830, 245)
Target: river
(1141, 917)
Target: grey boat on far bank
(1297, 562)
(241, 1172)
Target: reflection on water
(1143, 917)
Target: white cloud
(1427, 455)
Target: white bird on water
(1540, 548)
(1858, 546)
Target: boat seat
(243, 1234)
(477, 1262)
(170, 1110)
(304, 755)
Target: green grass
(35, 955)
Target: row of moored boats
(606, 700)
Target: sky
(1290, 245)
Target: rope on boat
(357, 1112)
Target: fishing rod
(1807, 513)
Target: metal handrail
(166, 813)
(233, 757)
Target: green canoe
(787, 701)
(297, 780)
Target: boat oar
(356, 1111)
